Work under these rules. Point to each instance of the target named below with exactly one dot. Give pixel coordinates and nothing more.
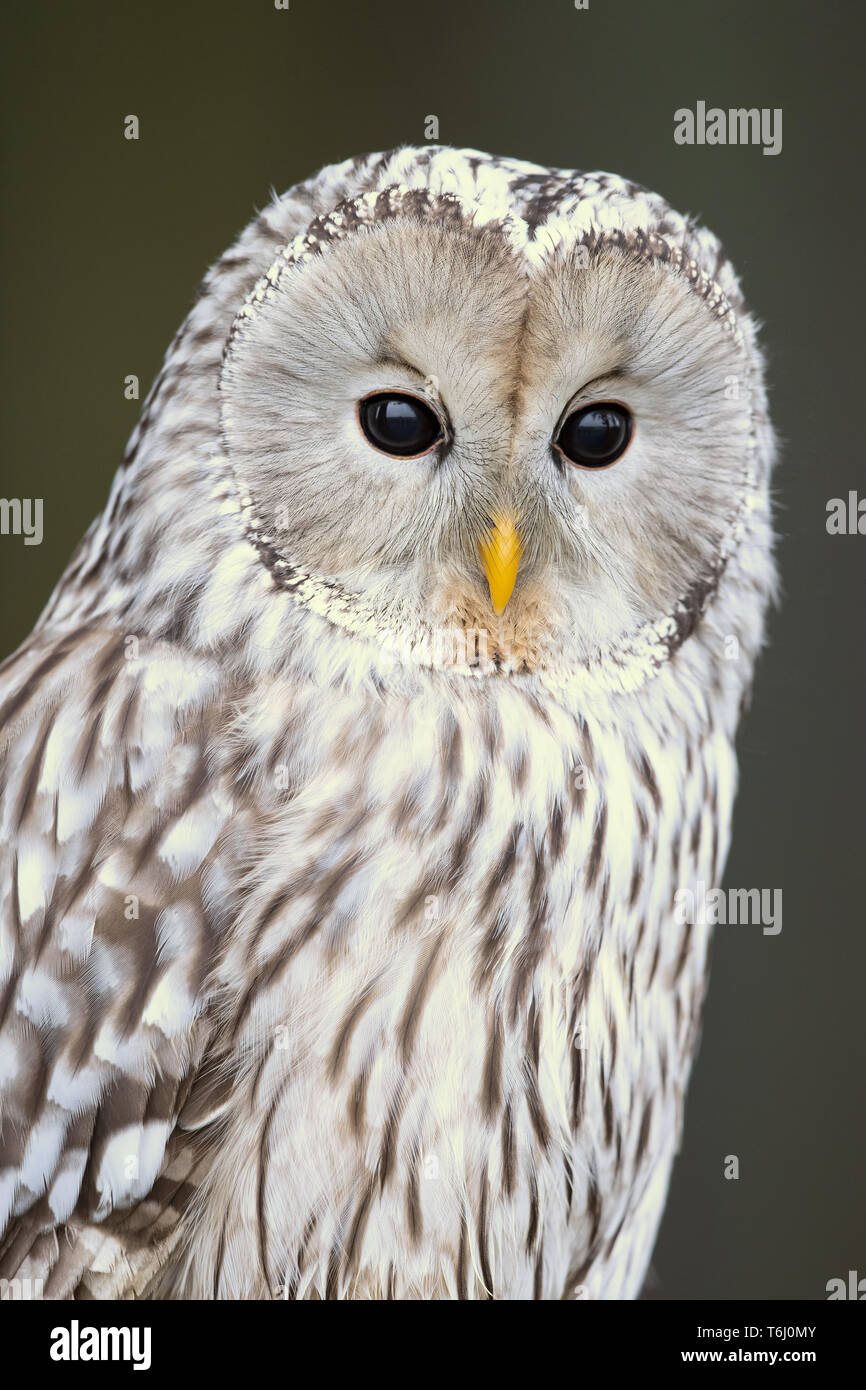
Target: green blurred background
(104, 241)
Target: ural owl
(351, 771)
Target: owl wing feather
(111, 908)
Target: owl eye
(596, 436)
(400, 425)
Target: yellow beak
(500, 551)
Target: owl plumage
(338, 953)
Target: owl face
(453, 424)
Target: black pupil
(596, 435)
(400, 425)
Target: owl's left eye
(400, 425)
(597, 435)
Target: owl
(352, 770)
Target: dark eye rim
(595, 405)
(438, 442)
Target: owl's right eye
(403, 426)
(597, 435)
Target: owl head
(463, 394)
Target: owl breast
(460, 1073)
